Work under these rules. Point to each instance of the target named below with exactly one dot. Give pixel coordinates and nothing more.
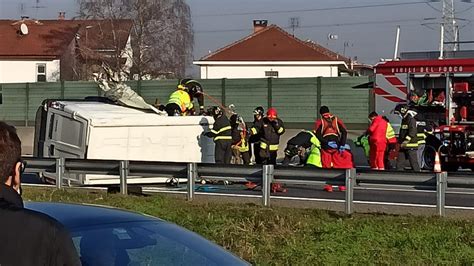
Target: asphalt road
(366, 193)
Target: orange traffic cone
(437, 164)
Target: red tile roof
(44, 40)
(48, 39)
(273, 44)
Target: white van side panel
(95, 130)
(177, 143)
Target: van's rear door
(66, 135)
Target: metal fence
(264, 175)
(297, 99)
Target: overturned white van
(92, 129)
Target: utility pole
(22, 8)
(346, 45)
(449, 23)
(294, 23)
(36, 7)
(456, 38)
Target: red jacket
(378, 130)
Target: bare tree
(162, 35)
(103, 42)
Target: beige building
(272, 52)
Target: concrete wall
(16, 71)
(257, 69)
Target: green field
(287, 236)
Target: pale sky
(368, 32)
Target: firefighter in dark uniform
(271, 128)
(298, 145)
(195, 91)
(221, 133)
(258, 115)
(421, 126)
(408, 139)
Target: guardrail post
(267, 179)
(441, 184)
(350, 181)
(123, 177)
(59, 172)
(192, 176)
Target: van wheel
(428, 157)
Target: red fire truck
(441, 91)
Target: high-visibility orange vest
(330, 127)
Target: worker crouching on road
(332, 133)
(270, 130)
(240, 144)
(221, 133)
(381, 134)
(181, 101)
(299, 144)
(407, 138)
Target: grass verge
(287, 236)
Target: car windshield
(147, 243)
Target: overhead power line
(465, 10)
(311, 9)
(324, 25)
(434, 8)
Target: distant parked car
(108, 236)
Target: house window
(41, 72)
(271, 74)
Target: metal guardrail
(264, 175)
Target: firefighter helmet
(259, 111)
(216, 111)
(401, 109)
(193, 86)
(180, 85)
(272, 113)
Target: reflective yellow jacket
(314, 157)
(182, 99)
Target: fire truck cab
(441, 91)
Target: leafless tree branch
(162, 34)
